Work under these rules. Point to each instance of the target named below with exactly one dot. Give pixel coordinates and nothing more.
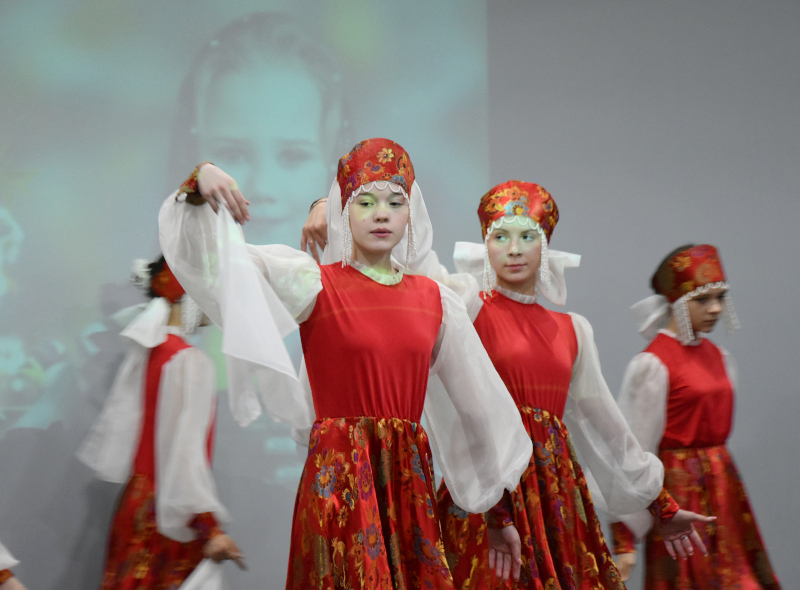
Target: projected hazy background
(651, 125)
(107, 106)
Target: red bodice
(700, 398)
(144, 462)
(368, 346)
(532, 348)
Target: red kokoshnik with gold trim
(517, 199)
(372, 160)
(687, 271)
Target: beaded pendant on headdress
(526, 202)
(380, 163)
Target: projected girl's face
(263, 126)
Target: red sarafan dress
(138, 555)
(679, 400)
(534, 350)
(365, 513)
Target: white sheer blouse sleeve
(462, 284)
(623, 478)
(186, 408)
(643, 399)
(643, 402)
(255, 293)
(7, 561)
(475, 429)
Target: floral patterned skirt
(139, 556)
(562, 543)
(705, 480)
(365, 515)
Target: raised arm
(255, 293)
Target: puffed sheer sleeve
(186, 411)
(7, 561)
(643, 402)
(462, 283)
(255, 293)
(475, 429)
(623, 478)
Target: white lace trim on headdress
(489, 275)
(652, 314)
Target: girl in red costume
(365, 514)
(677, 396)
(159, 440)
(550, 365)
(7, 579)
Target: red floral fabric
(365, 515)
(371, 160)
(664, 507)
(705, 480)
(5, 576)
(562, 541)
(515, 197)
(189, 185)
(624, 539)
(139, 556)
(688, 270)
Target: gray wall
(654, 124)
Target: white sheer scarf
(7, 560)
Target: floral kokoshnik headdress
(686, 275)
(374, 163)
(526, 202)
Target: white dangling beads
(489, 276)
(680, 309)
(347, 236)
(729, 315)
(544, 264)
(411, 245)
(191, 315)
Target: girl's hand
(504, 552)
(12, 584)
(315, 230)
(679, 534)
(625, 563)
(221, 548)
(216, 187)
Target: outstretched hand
(505, 552)
(315, 231)
(625, 563)
(679, 534)
(221, 548)
(217, 187)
